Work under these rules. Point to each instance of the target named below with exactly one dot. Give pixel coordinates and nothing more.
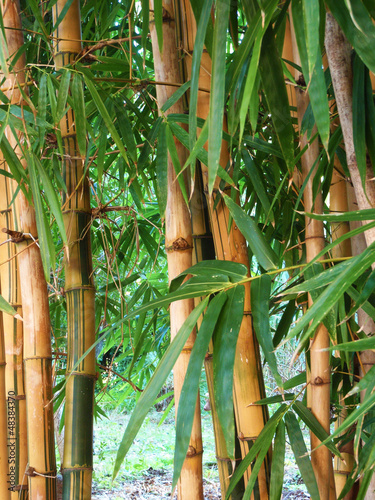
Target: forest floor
(146, 472)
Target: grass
(153, 448)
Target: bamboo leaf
(62, 96)
(79, 113)
(156, 382)
(257, 242)
(47, 250)
(217, 91)
(176, 163)
(162, 168)
(257, 183)
(314, 425)
(300, 452)
(106, 117)
(225, 342)
(175, 97)
(277, 465)
(6, 307)
(331, 294)
(51, 196)
(158, 19)
(189, 392)
(311, 15)
(260, 296)
(195, 69)
(262, 440)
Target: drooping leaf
(156, 382)
(162, 168)
(189, 392)
(300, 453)
(277, 465)
(225, 342)
(260, 296)
(257, 242)
(79, 113)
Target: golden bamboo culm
(79, 284)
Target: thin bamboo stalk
(13, 333)
(320, 371)
(204, 249)
(320, 376)
(339, 58)
(37, 353)
(79, 284)
(248, 378)
(5, 478)
(179, 244)
(339, 203)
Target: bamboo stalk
(79, 284)
(179, 244)
(37, 353)
(13, 333)
(204, 250)
(339, 203)
(248, 378)
(320, 371)
(339, 58)
(5, 478)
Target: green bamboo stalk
(79, 283)
(37, 353)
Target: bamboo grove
(188, 185)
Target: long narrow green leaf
(300, 452)
(62, 96)
(217, 91)
(225, 342)
(331, 294)
(162, 168)
(257, 242)
(79, 113)
(156, 382)
(106, 117)
(189, 392)
(195, 69)
(51, 196)
(260, 296)
(277, 465)
(158, 19)
(267, 433)
(359, 117)
(47, 249)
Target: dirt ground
(156, 484)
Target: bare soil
(156, 484)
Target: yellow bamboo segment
(248, 378)
(179, 245)
(13, 333)
(320, 376)
(79, 283)
(339, 203)
(5, 478)
(204, 249)
(37, 352)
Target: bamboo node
(20, 487)
(179, 245)
(192, 452)
(15, 236)
(30, 471)
(319, 381)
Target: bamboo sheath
(248, 379)
(179, 245)
(37, 353)
(79, 284)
